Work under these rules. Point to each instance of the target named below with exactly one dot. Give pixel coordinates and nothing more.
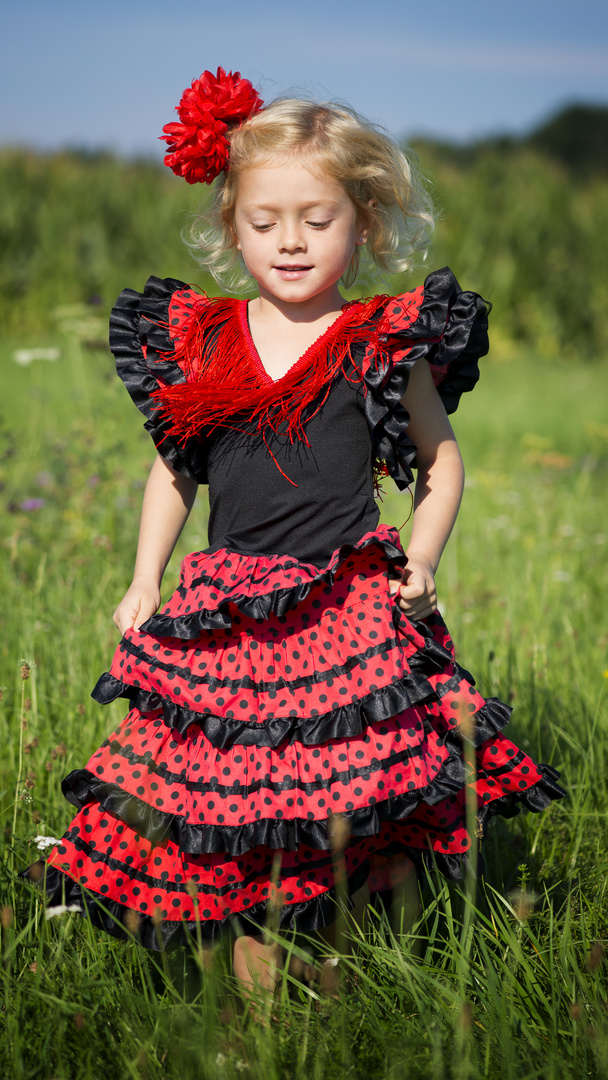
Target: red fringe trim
(223, 377)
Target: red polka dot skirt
(266, 697)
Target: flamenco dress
(281, 685)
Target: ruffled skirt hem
(276, 706)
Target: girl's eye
(261, 228)
(319, 224)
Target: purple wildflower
(32, 504)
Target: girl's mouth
(292, 273)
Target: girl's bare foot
(256, 965)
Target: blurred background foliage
(522, 220)
(517, 989)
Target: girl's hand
(140, 601)
(416, 593)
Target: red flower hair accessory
(198, 147)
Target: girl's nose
(292, 237)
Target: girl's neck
(282, 332)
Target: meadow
(504, 979)
(505, 976)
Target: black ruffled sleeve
(446, 326)
(142, 344)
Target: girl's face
(296, 231)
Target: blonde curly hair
(379, 178)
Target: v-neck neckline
(319, 343)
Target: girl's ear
(363, 226)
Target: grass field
(507, 980)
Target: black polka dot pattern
(343, 642)
(334, 648)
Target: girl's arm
(168, 500)
(439, 485)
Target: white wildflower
(42, 842)
(24, 357)
(561, 575)
(220, 1060)
(62, 909)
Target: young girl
(298, 693)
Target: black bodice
(324, 499)
(304, 499)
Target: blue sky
(109, 74)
